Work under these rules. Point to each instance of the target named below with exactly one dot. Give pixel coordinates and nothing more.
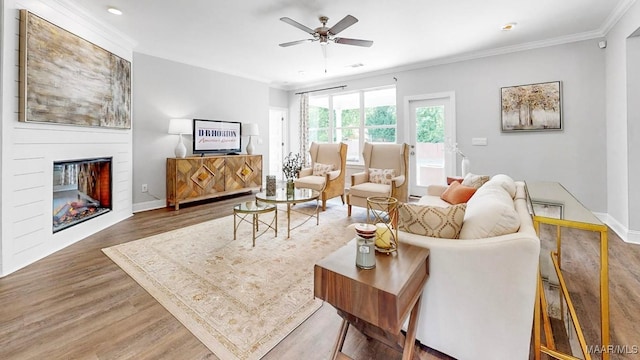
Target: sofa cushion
(457, 194)
(320, 169)
(311, 182)
(474, 180)
(432, 200)
(506, 182)
(490, 212)
(367, 189)
(381, 176)
(433, 221)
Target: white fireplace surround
(30, 149)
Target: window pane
(380, 134)
(380, 107)
(319, 135)
(347, 110)
(319, 112)
(350, 137)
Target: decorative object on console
(531, 107)
(66, 79)
(250, 130)
(452, 147)
(180, 127)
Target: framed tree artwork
(532, 107)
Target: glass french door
(431, 121)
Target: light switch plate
(479, 141)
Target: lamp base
(250, 146)
(180, 150)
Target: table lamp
(180, 127)
(250, 130)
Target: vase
(271, 185)
(464, 165)
(290, 188)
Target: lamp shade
(250, 129)
(180, 126)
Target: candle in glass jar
(383, 236)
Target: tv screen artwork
(216, 136)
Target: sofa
(478, 302)
(479, 299)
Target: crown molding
(459, 58)
(617, 13)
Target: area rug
(239, 300)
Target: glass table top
(253, 207)
(299, 195)
(550, 199)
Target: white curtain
(304, 129)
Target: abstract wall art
(65, 79)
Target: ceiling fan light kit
(324, 35)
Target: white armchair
(386, 173)
(327, 171)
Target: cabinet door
(186, 187)
(211, 175)
(243, 172)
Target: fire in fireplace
(81, 191)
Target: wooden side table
(451, 179)
(376, 301)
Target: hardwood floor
(77, 304)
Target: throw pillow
(457, 193)
(474, 180)
(321, 169)
(433, 221)
(381, 176)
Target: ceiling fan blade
(343, 24)
(298, 25)
(295, 42)
(356, 42)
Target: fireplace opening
(81, 191)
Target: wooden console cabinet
(199, 178)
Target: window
(353, 118)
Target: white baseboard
(149, 205)
(628, 236)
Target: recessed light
(114, 11)
(509, 26)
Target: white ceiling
(242, 37)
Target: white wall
(621, 163)
(29, 150)
(166, 89)
(576, 156)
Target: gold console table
(550, 203)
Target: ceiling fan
(325, 34)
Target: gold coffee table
(253, 208)
(298, 196)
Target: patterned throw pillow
(321, 169)
(381, 176)
(433, 221)
(475, 181)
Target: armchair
(327, 171)
(386, 173)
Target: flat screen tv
(216, 136)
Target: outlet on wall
(145, 188)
